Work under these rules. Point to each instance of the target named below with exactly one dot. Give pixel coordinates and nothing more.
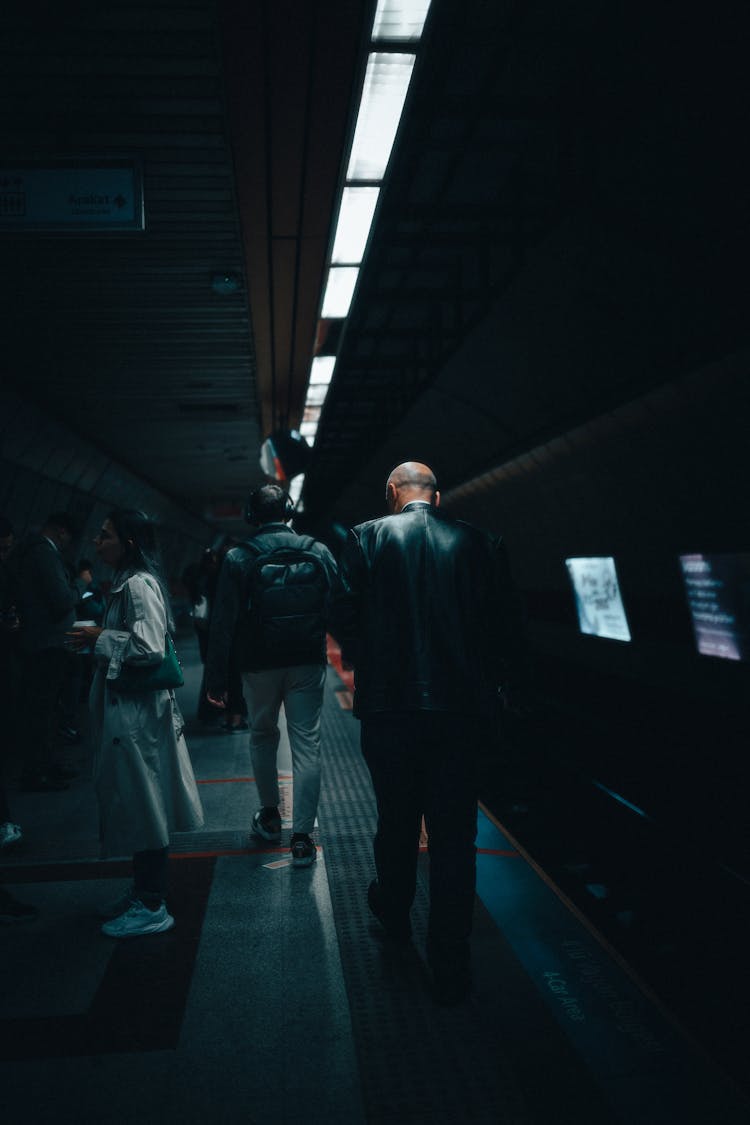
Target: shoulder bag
(155, 677)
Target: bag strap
(295, 543)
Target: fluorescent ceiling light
(308, 431)
(400, 19)
(354, 222)
(339, 291)
(383, 95)
(316, 394)
(321, 370)
(311, 414)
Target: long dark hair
(137, 533)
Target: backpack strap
(295, 543)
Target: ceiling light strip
(339, 291)
(400, 19)
(354, 223)
(386, 85)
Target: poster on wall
(597, 597)
(718, 596)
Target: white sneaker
(138, 920)
(9, 834)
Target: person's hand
(85, 636)
(217, 700)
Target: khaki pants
(300, 689)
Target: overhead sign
(72, 195)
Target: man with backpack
(272, 599)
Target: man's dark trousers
(425, 763)
(44, 676)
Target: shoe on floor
(304, 852)
(267, 823)
(398, 931)
(10, 834)
(118, 906)
(139, 920)
(11, 910)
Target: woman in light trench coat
(142, 772)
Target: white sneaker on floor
(139, 920)
(9, 834)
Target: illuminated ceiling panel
(386, 84)
(400, 19)
(354, 222)
(339, 291)
(322, 369)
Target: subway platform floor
(275, 997)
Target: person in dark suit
(426, 614)
(46, 600)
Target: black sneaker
(267, 823)
(398, 932)
(11, 910)
(304, 852)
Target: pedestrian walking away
(271, 612)
(426, 614)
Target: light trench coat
(142, 772)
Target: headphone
(251, 507)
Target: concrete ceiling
(237, 113)
(564, 225)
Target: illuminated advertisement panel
(718, 596)
(598, 601)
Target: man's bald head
(411, 481)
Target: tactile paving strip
(418, 1062)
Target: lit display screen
(598, 601)
(718, 595)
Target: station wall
(661, 476)
(46, 467)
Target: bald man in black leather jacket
(426, 614)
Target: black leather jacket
(231, 601)
(426, 612)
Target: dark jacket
(425, 611)
(229, 617)
(45, 595)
